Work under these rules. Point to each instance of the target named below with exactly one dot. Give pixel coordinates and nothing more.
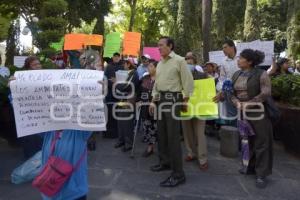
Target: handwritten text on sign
(46, 100)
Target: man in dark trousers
(173, 84)
(110, 100)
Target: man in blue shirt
(143, 68)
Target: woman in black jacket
(148, 122)
(125, 109)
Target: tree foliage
(273, 22)
(251, 23)
(51, 25)
(293, 30)
(12, 42)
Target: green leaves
(286, 88)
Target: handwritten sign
(74, 41)
(19, 61)
(153, 52)
(217, 57)
(95, 40)
(265, 46)
(201, 103)
(112, 44)
(121, 75)
(47, 100)
(132, 43)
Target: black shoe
(126, 148)
(119, 144)
(247, 172)
(147, 153)
(173, 181)
(159, 168)
(261, 182)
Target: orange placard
(132, 43)
(74, 41)
(96, 40)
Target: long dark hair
(254, 56)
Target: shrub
(286, 89)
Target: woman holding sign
(193, 129)
(33, 143)
(252, 88)
(126, 92)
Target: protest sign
(121, 75)
(74, 41)
(19, 61)
(58, 46)
(95, 40)
(112, 44)
(153, 52)
(217, 57)
(132, 44)
(265, 46)
(201, 102)
(47, 100)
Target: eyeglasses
(188, 58)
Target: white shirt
(199, 68)
(227, 69)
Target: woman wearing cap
(126, 95)
(143, 68)
(193, 129)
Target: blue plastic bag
(28, 170)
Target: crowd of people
(152, 86)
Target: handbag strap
(53, 143)
(56, 137)
(83, 155)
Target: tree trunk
(206, 27)
(132, 5)
(251, 21)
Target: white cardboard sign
(47, 100)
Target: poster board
(201, 102)
(47, 100)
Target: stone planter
(288, 128)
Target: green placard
(112, 44)
(201, 102)
(58, 46)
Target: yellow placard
(201, 103)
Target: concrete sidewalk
(115, 176)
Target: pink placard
(153, 52)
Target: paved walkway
(115, 176)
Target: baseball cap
(146, 56)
